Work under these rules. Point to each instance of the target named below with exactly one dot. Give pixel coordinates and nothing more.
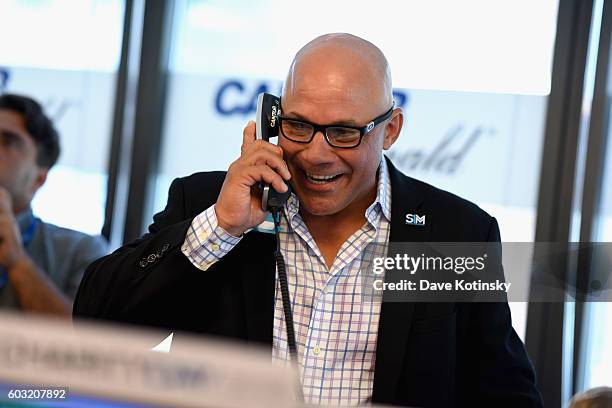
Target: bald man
(207, 267)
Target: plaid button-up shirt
(336, 327)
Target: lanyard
(26, 238)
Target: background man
(41, 265)
(202, 268)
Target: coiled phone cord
(284, 287)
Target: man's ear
(393, 128)
(41, 177)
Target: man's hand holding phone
(238, 207)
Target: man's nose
(318, 150)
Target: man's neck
(331, 231)
(20, 208)
(335, 222)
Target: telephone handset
(266, 126)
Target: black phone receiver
(266, 126)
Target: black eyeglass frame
(363, 130)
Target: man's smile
(320, 181)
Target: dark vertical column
(150, 108)
(544, 339)
(138, 117)
(592, 213)
(123, 123)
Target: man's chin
(320, 208)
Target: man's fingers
(248, 136)
(271, 159)
(250, 142)
(6, 202)
(269, 176)
(8, 227)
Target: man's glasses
(344, 137)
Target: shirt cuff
(206, 242)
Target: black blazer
(428, 354)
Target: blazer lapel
(258, 275)
(396, 317)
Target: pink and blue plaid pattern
(336, 327)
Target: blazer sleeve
(111, 281)
(501, 373)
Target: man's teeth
(318, 178)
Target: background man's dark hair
(39, 126)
